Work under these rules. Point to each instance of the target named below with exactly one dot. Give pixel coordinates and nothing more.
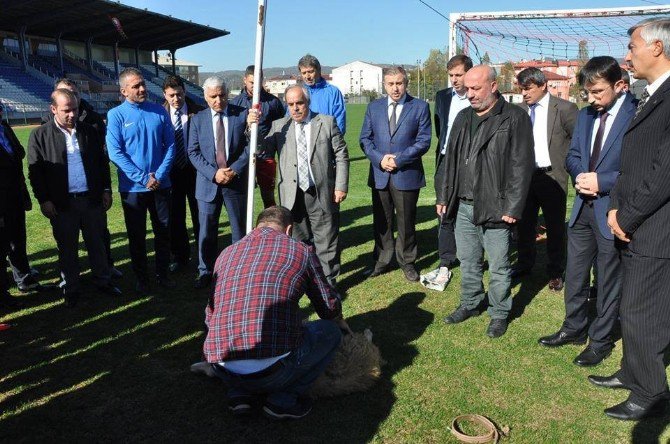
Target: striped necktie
(180, 150)
(303, 160)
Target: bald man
(483, 185)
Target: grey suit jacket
(561, 118)
(329, 159)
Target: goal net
(498, 37)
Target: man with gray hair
(638, 215)
(219, 151)
(140, 142)
(313, 174)
(325, 98)
(484, 184)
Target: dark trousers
(311, 224)
(385, 203)
(183, 190)
(135, 206)
(89, 218)
(16, 232)
(547, 194)
(235, 202)
(645, 326)
(446, 241)
(586, 243)
(4, 249)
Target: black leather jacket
(503, 150)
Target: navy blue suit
(210, 195)
(398, 190)
(589, 237)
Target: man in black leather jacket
(484, 185)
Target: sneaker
(29, 284)
(439, 280)
(297, 411)
(240, 405)
(430, 276)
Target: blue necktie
(180, 155)
(5, 142)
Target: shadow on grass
(649, 430)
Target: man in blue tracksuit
(324, 97)
(140, 142)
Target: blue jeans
(298, 370)
(471, 242)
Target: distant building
(278, 84)
(186, 70)
(354, 77)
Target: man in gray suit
(313, 174)
(553, 122)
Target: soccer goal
(497, 37)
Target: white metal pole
(253, 141)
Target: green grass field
(115, 370)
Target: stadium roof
(80, 20)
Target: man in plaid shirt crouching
(257, 342)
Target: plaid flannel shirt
(254, 311)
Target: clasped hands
(388, 163)
(587, 184)
(224, 176)
(153, 184)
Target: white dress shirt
(458, 104)
(308, 137)
(398, 108)
(215, 123)
(76, 175)
(609, 122)
(651, 88)
(540, 134)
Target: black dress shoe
(110, 289)
(606, 381)
(29, 284)
(202, 281)
(116, 273)
(556, 284)
(410, 273)
(497, 328)
(378, 272)
(165, 282)
(629, 411)
(460, 314)
(70, 298)
(590, 356)
(561, 338)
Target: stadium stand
(91, 35)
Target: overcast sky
(335, 31)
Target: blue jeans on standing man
(471, 243)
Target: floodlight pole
(253, 140)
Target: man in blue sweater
(140, 142)
(324, 97)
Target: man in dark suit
(639, 214)
(593, 163)
(553, 122)
(13, 199)
(218, 149)
(271, 109)
(181, 109)
(313, 175)
(69, 173)
(396, 133)
(15, 217)
(483, 185)
(448, 103)
(88, 115)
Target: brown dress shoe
(556, 284)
